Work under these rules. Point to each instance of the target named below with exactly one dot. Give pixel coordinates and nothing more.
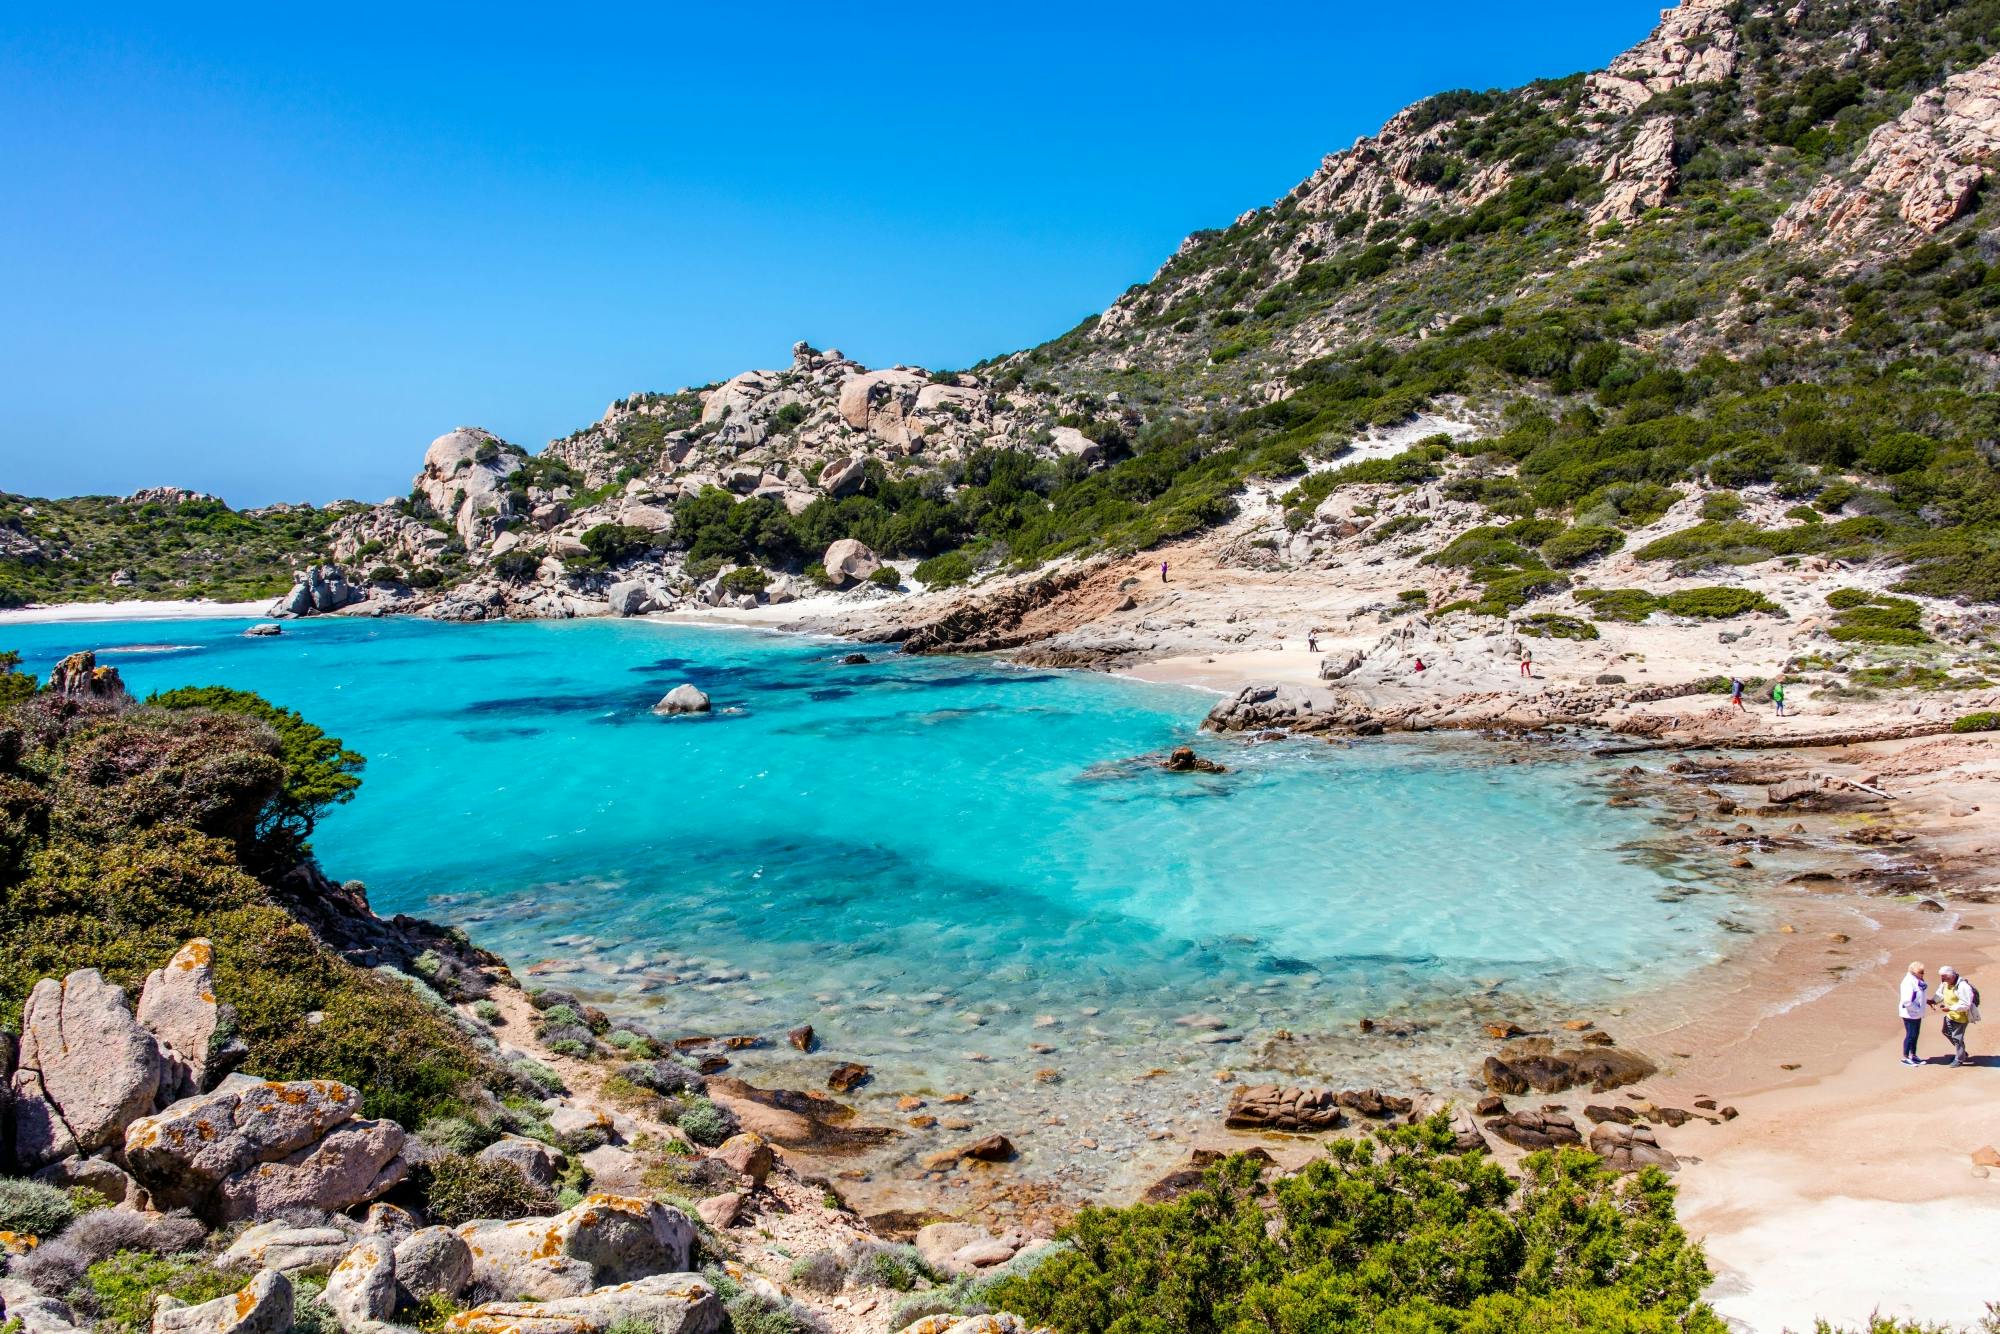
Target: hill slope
(1751, 256)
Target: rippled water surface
(944, 864)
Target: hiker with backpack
(1958, 999)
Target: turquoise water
(943, 864)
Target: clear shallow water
(938, 860)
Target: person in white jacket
(1911, 1007)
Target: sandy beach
(191, 609)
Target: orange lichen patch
(550, 1247)
(246, 1302)
(18, 1243)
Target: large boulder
(178, 1007)
(264, 1306)
(432, 1262)
(79, 677)
(362, 1287)
(879, 403)
(849, 562)
(1286, 1108)
(629, 597)
(86, 1069)
(291, 1248)
(464, 479)
(253, 1146)
(662, 1303)
(682, 698)
(540, 1163)
(355, 1163)
(605, 1239)
(843, 477)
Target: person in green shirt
(1778, 697)
(1958, 999)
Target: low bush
(1978, 722)
(1840, 599)
(33, 1207)
(898, 1268)
(820, 1271)
(663, 1076)
(888, 576)
(1879, 620)
(121, 1291)
(1552, 625)
(1581, 544)
(1395, 1233)
(746, 579)
(1627, 605)
(946, 571)
(458, 1188)
(1716, 602)
(703, 1122)
(537, 1076)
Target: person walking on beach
(1312, 641)
(1778, 698)
(1528, 662)
(1163, 572)
(1736, 693)
(1959, 1001)
(1910, 1006)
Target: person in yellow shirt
(1958, 1000)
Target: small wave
(150, 648)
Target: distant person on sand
(1736, 693)
(1527, 662)
(1163, 572)
(1420, 664)
(1910, 1005)
(1778, 698)
(1312, 641)
(1959, 1000)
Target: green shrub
(575, 1047)
(888, 576)
(455, 1134)
(898, 1268)
(34, 1208)
(946, 571)
(487, 1012)
(1840, 599)
(1880, 620)
(122, 1289)
(746, 579)
(820, 1271)
(1978, 722)
(1417, 1238)
(1585, 542)
(458, 1188)
(816, 575)
(704, 1123)
(537, 1076)
(1716, 603)
(1628, 605)
(615, 542)
(1551, 625)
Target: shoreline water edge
(1796, 1134)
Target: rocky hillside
(1751, 257)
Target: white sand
(191, 609)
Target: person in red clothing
(1527, 662)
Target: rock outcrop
(264, 1306)
(683, 698)
(85, 1069)
(849, 562)
(606, 1239)
(318, 589)
(253, 1147)
(663, 1303)
(178, 1006)
(1923, 168)
(463, 480)
(79, 677)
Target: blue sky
(271, 253)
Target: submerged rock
(1183, 760)
(1271, 1107)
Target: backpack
(1972, 1010)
